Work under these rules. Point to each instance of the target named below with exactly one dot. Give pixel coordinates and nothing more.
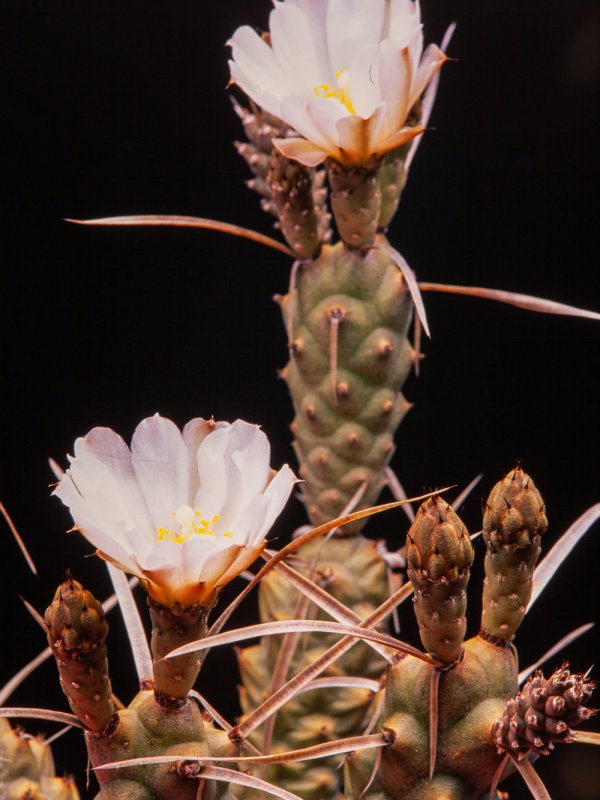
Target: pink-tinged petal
(432, 61)
(266, 100)
(108, 544)
(405, 21)
(315, 13)
(351, 23)
(302, 58)
(160, 460)
(395, 78)
(110, 449)
(193, 435)
(363, 77)
(360, 139)
(257, 61)
(216, 472)
(218, 563)
(296, 113)
(244, 558)
(278, 493)
(251, 453)
(195, 552)
(326, 113)
(399, 138)
(301, 150)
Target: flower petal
(160, 460)
(363, 76)
(297, 113)
(351, 23)
(301, 150)
(302, 56)
(399, 138)
(257, 61)
(360, 139)
(432, 61)
(395, 80)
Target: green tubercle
(77, 631)
(513, 524)
(470, 695)
(147, 728)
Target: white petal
(315, 13)
(110, 449)
(278, 493)
(295, 111)
(160, 460)
(351, 23)
(265, 100)
(193, 435)
(325, 114)
(395, 79)
(303, 58)
(405, 21)
(433, 58)
(301, 150)
(257, 61)
(364, 80)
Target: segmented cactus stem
(513, 524)
(77, 631)
(439, 556)
(172, 628)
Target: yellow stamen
(196, 525)
(339, 91)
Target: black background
(121, 108)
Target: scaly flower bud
(77, 631)
(439, 556)
(513, 524)
(543, 713)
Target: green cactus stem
(544, 713)
(393, 175)
(292, 193)
(439, 557)
(27, 769)
(470, 695)
(147, 728)
(172, 628)
(347, 315)
(77, 631)
(513, 524)
(355, 201)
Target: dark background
(120, 108)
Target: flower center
(339, 90)
(191, 523)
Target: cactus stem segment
(77, 631)
(356, 202)
(172, 628)
(513, 524)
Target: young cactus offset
(513, 525)
(453, 726)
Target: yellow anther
(339, 92)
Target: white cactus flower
(184, 511)
(344, 74)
